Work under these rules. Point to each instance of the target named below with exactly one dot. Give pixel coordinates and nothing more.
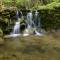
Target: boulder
(1, 33)
(1, 41)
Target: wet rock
(1, 41)
(1, 33)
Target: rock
(1, 41)
(1, 33)
(12, 36)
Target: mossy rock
(1, 33)
(1, 41)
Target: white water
(16, 28)
(31, 24)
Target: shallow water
(31, 48)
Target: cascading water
(33, 24)
(16, 29)
(37, 23)
(29, 24)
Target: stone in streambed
(1, 41)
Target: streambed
(31, 48)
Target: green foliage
(50, 19)
(50, 11)
(49, 6)
(1, 31)
(36, 4)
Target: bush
(50, 18)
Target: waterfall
(33, 24)
(16, 28)
(37, 23)
(29, 24)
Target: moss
(1, 32)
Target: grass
(31, 48)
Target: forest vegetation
(32, 47)
(49, 11)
